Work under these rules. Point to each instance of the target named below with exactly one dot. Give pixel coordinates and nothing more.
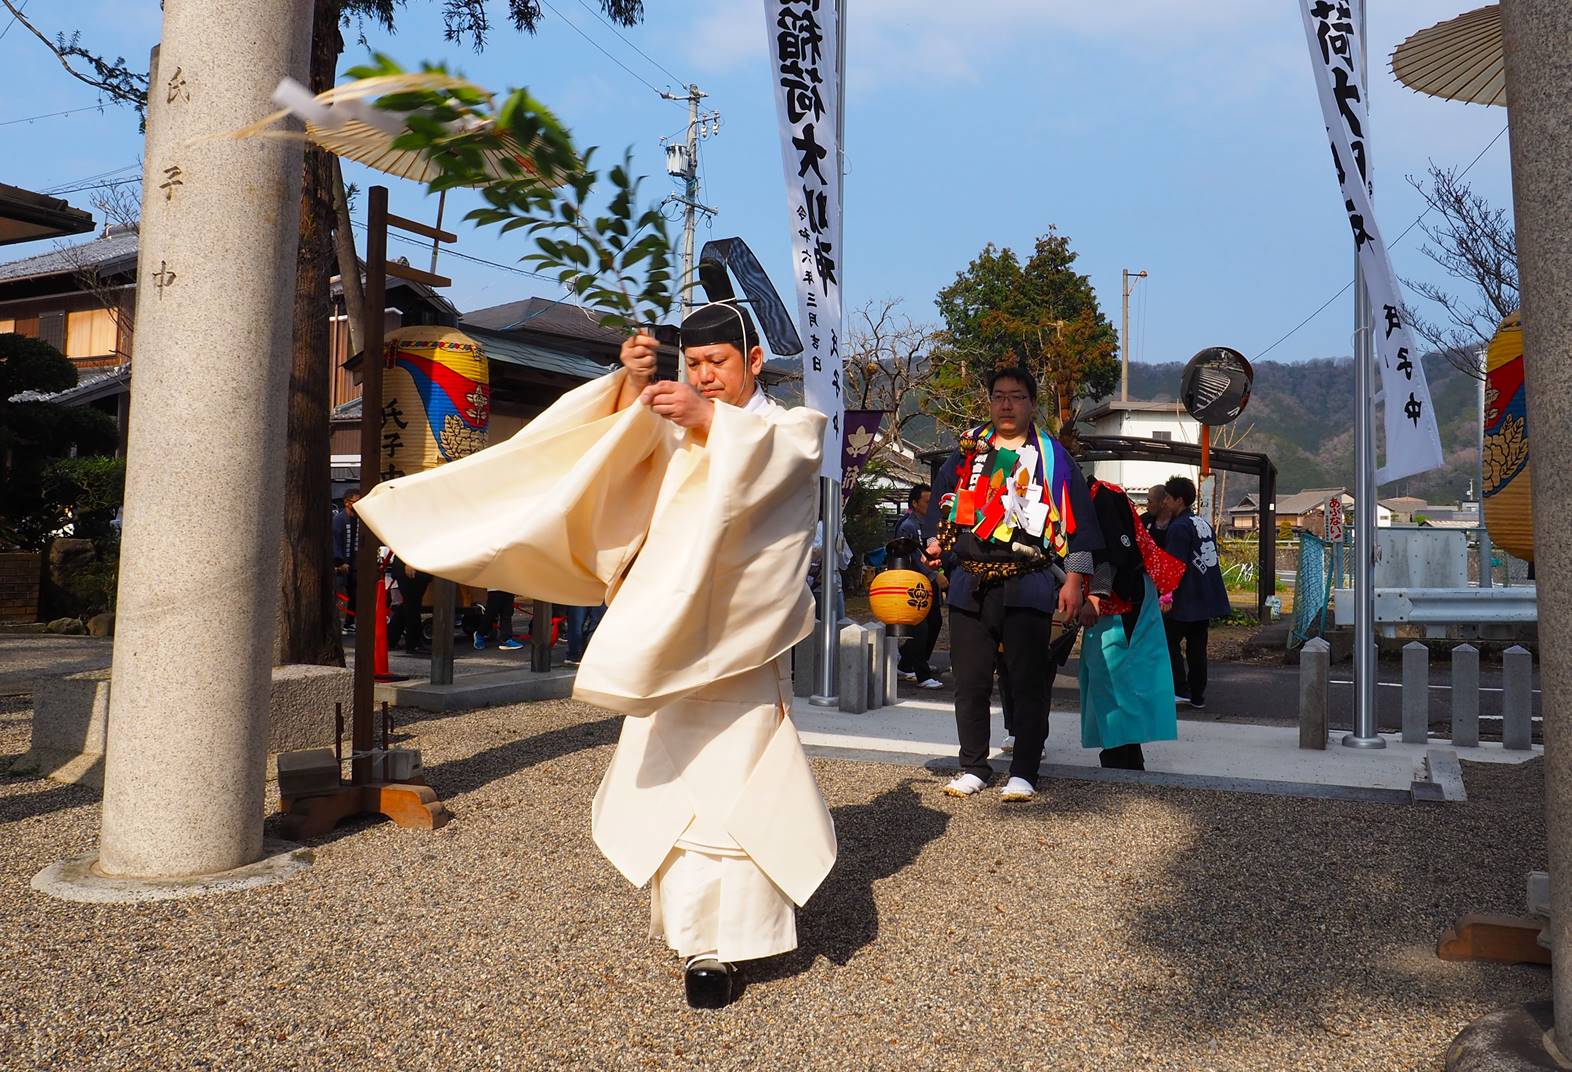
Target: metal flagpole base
(1351, 740)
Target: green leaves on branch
(522, 160)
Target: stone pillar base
(77, 879)
(71, 719)
(1518, 1038)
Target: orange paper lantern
(1508, 492)
(900, 598)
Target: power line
(1346, 286)
(601, 50)
(96, 186)
(52, 115)
(451, 252)
(612, 27)
(14, 17)
(61, 187)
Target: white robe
(700, 551)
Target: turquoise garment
(1127, 686)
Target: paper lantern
(436, 399)
(1508, 491)
(901, 599)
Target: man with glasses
(1013, 516)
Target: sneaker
(570, 662)
(480, 641)
(1017, 789)
(1181, 699)
(510, 644)
(1198, 705)
(930, 683)
(1008, 744)
(906, 675)
(965, 786)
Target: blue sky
(1181, 138)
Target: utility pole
(1125, 289)
(682, 162)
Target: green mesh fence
(1312, 588)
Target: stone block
(876, 640)
(71, 719)
(1517, 698)
(805, 664)
(101, 625)
(1416, 693)
(70, 727)
(300, 709)
(852, 689)
(1315, 664)
(1465, 696)
(307, 773)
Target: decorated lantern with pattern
(436, 399)
(1508, 495)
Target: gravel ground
(1102, 927)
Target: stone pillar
(1539, 85)
(204, 480)
(853, 655)
(1465, 696)
(1517, 698)
(1315, 673)
(874, 633)
(1416, 693)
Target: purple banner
(861, 431)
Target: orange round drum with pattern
(1508, 494)
(900, 597)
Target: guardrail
(1437, 608)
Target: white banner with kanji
(1413, 444)
(803, 49)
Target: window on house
(90, 333)
(51, 329)
(1163, 435)
(7, 326)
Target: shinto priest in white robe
(700, 551)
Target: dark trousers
(975, 637)
(499, 615)
(1190, 666)
(412, 585)
(917, 649)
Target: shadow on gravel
(877, 840)
(45, 801)
(464, 775)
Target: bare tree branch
(1473, 242)
(115, 79)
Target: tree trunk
(308, 630)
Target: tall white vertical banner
(1413, 445)
(804, 49)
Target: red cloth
(1164, 569)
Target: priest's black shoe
(707, 983)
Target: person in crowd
(581, 625)
(1200, 596)
(916, 650)
(1014, 508)
(1155, 517)
(346, 547)
(498, 624)
(406, 623)
(1126, 682)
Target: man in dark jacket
(346, 548)
(1015, 513)
(916, 651)
(1200, 597)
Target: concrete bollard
(1465, 696)
(1315, 668)
(805, 664)
(1517, 698)
(874, 635)
(1416, 693)
(854, 669)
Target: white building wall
(1136, 475)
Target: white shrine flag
(804, 50)
(1413, 445)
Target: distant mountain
(1301, 415)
